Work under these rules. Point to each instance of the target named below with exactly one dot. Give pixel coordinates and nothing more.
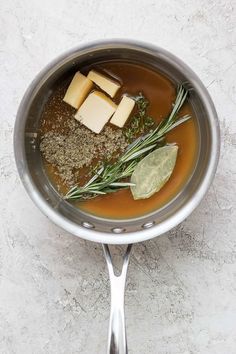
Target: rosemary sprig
(112, 177)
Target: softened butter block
(106, 84)
(96, 111)
(123, 111)
(78, 90)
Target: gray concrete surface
(181, 291)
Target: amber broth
(160, 92)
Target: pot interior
(37, 95)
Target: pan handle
(117, 342)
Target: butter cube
(106, 84)
(123, 111)
(96, 111)
(78, 90)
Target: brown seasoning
(69, 146)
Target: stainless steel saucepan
(97, 229)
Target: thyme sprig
(112, 177)
(140, 122)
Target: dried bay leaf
(153, 171)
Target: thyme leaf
(140, 122)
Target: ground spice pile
(75, 147)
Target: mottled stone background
(54, 291)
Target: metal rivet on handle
(117, 230)
(147, 225)
(88, 225)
